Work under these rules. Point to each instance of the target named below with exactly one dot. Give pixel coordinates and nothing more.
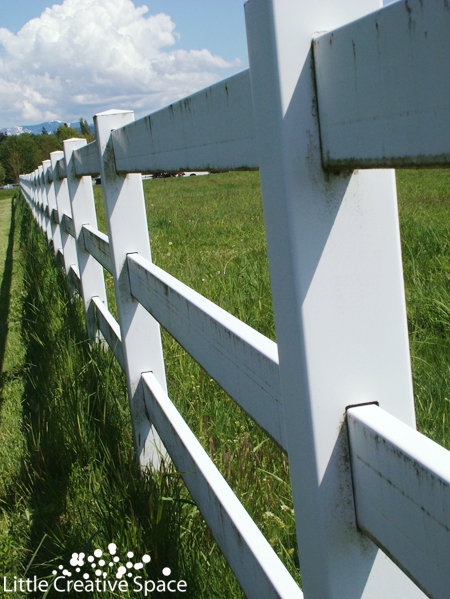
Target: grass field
(67, 478)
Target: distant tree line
(20, 154)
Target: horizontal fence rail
(247, 551)
(87, 161)
(371, 92)
(97, 244)
(242, 361)
(67, 225)
(74, 279)
(54, 216)
(383, 84)
(402, 494)
(212, 129)
(61, 172)
(110, 329)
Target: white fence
(371, 92)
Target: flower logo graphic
(104, 564)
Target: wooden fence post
(337, 285)
(83, 213)
(128, 234)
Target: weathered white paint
(212, 129)
(258, 569)
(383, 85)
(242, 361)
(109, 328)
(336, 277)
(402, 493)
(86, 160)
(126, 219)
(83, 213)
(97, 244)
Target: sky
(76, 58)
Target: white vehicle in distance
(192, 173)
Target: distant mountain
(50, 126)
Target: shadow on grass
(79, 480)
(5, 289)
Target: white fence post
(46, 165)
(33, 195)
(30, 183)
(42, 199)
(83, 213)
(39, 197)
(128, 234)
(51, 198)
(337, 285)
(63, 204)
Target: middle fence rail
(371, 494)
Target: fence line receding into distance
(371, 494)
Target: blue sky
(202, 42)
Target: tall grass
(424, 198)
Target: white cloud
(85, 56)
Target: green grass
(12, 370)
(424, 199)
(66, 470)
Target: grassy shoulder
(12, 372)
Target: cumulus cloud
(85, 56)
